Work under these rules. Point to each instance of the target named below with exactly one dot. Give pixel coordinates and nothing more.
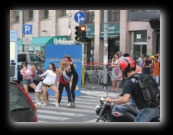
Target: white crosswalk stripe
(85, 107)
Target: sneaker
(57, 104)
(69, 105)
(44, 104)
(73, 105)
(38, 104)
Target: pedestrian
(147, 65)
(64, 78)
(49, 81)
(74, 79)
(131, 89)
(37, 81)
(140, 61)
(116, 73)
(27, 77)
(156, 69)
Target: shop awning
(38, 41)
(111, 36)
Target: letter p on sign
(27, 29)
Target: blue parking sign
(27, 29)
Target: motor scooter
(110, 112)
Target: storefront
(113, 38)
(38, 43)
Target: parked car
(30, 58)
(22, 109)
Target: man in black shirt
(131, 89)
(147, 65)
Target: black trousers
(67, 88)
(73, 86)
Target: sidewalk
(99, 92)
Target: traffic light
(80, 33)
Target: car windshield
(18, 100)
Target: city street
(83, 112)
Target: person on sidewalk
(116, 73)
(49, 81)
(156, 69)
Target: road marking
(66, 109)
(51, 117)
(94, 120)
(61, 113)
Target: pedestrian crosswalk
(83, 112)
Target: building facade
(129, 31)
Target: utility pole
(105, 50)
(22, 30)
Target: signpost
(80, 17)
(27, 34)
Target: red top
(62, 81)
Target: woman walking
(49, 81)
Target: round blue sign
(80, 17)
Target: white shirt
(50, 77)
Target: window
(90, 16)
(64, 13)
(140, 36)
(21, 57)
(35, 58)
(31, 15)
(16, 16)
(46, 14)
(113, 15)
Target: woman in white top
(49, 81)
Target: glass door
(138, 50)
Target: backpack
(149, 89)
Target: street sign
(80, 17)
(27, 39)
(27, 29)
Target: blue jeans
(147, 114)
(156, 78)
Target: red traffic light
(83, 28)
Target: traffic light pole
(105, 55)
